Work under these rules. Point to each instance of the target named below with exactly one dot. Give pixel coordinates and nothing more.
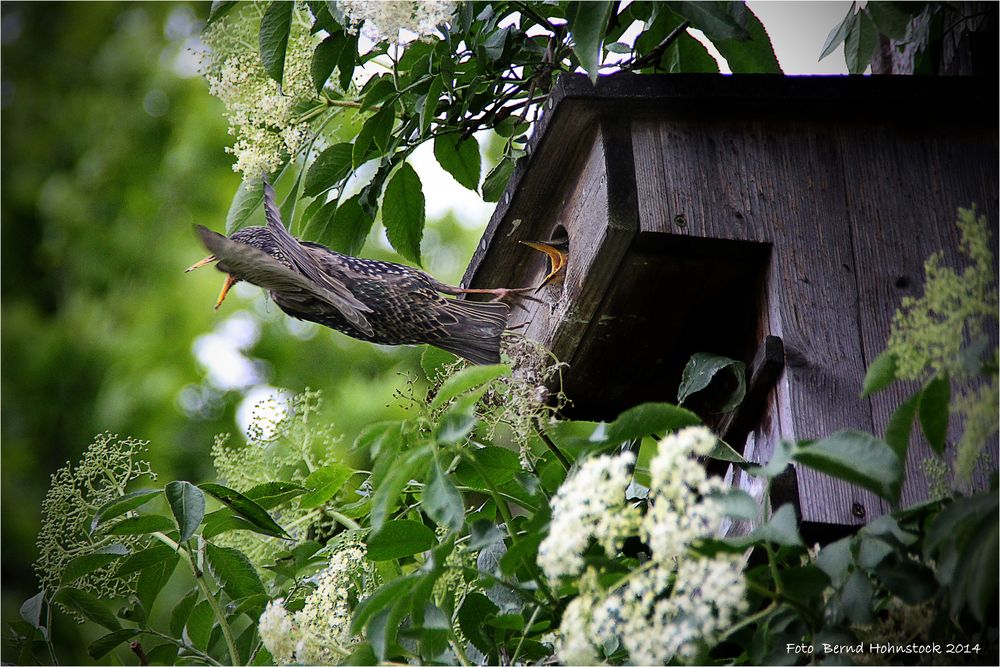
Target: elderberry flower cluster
(262, 115)
(384, 19)
(945, 330)
(284, 444)
(320, 633)
(102, 475)
(676, 603)
(589, 505)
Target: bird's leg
(499, 293)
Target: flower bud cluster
(385, 19)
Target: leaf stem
(199, 578)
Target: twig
(658, 50)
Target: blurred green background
(112, 149)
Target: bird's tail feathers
(476, 333)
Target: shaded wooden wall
(707, 212)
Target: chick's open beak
(230, 281)
(557, 260)
(198, 265)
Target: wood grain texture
(803, 166)
(905, 186)
(782, 184)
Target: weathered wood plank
(904, 190)
(782, 184)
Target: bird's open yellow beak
(557, 260)
(230, 281)
(198, 265)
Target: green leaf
(856, 596)
(457, 423)
(781, 457)
(244, 203)
(200, 624)
(441, 500)
(272, 494)
(476, 609)
(87, 605)
(152, 579)
(702, 368)
(350, 229)
(219, 9)
(468, 379)
(387, 493)
(377, 90)
(324, 483)
(375, 132)
(121, 505)
(496, 181)
(688, 55)
(347, 61)
(835, 560)
(881, 373)
(587, 23)
(483, 533)
(723, 452)
(233, 570)
(523, 553)
(715, 19)
(499, 464)
(325, 59)
(87, 563)
(460, 158)
(737, 504)
(102, 646)
(399, 538)
(181, 611)
(389, 593)
(223, 521)
(274, 28)
(141, 525)
(839, 33)
(245, 508)
(328, 169)
(618, 47)
(31, 610)
(897, 431)
(433, 360)
(781, 529)
(187, 502)
(932, 411)
(889, 18)
(751, 56)
(860, 45)
(428, 108)
(403, 212)
(858, 458)
(647, 419)
(149, 556)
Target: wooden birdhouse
(774, 220)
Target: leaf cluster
(489, 67)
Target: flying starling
(379, 302)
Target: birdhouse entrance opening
(673, 296)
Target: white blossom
(589, 505)
(320, 633)
(277, 632)
(384, 19)
(676, 603)
(261, 113)
(680, 509)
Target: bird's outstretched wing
(300, 257)
(259, 268)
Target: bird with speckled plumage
(380, 302)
